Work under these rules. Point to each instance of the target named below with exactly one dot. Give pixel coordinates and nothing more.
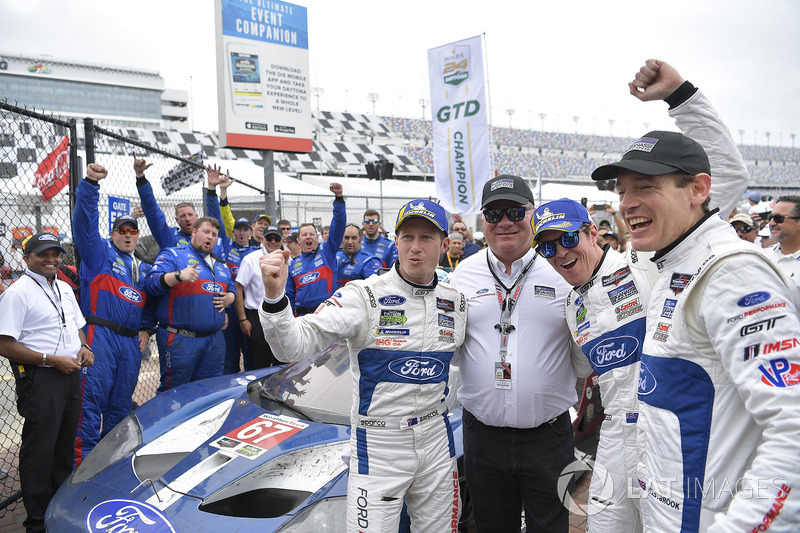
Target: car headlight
(325, 515)
(119, 443)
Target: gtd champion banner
(262, 75)
(461, 163)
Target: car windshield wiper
(266, 393)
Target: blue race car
(263, 451)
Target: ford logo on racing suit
(130, 294)
(647, 381)
(614, 351)
(391, 300)
(308, 278)
(417, 368)
(212, 287)
(126, 515)
(752, 299)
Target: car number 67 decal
(260, 434)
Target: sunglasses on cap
(744, 229)
(128, 231)
(568, 239)
(779, 218)
(514, 214)
(371, 221)
(273, 238)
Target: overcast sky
(561, 58)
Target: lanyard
(452, 266)
(59, 308)
(507, 303)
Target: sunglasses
(744, 229)
(273, 238)
(779, 218)
(514, 214)
(568, 239)
(128, 231)
(371, 221)
(286, 229)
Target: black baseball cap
(42, 241)
(659, 153)
(242, 222)
(506, 187)
(272, 230)
(124, 219)
(293, 237)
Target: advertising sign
(263, 75)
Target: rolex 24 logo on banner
(455, 66)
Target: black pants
(259, 348)
(50, 402)
(508, 469)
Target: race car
(266, 451)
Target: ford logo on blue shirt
(614, 350)
(391, 300)
(126, 515)
(754, 298)
(212, 287)
(417, 368)
(308, 278)
(130, 294)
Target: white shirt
(31, 315)
(539, 348)
(789, 264)
(249, 277)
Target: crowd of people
(690, 330)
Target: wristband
(44, 359)
(243, 320)
(87, 347)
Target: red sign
(53, 173)
(267, 431)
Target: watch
(177, 274)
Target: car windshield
(320, 388)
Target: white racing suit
(401, 339)
(719, 401)
(616, 300)
(607, 318)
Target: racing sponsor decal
(662, 332)
(338, 294)
(775, 510)
(669, 308)
(761, 325)
(482, 291)
(779, 346)
(390, 342)
(583, 338)
(372, 302)
(416, 291)
(622, 292)
(768, 307)
(663, 499)
(129, 293)
(447, 321)
(308, 278)
(645, 144)
(781, 373)
(616, 277)
(212, 287)
(260, 434)
(545, 291)
(628, 309)
(578, 300)
(391, 300)
(634, 257)
(445, 335)
(392, 317)
(392, 331)
(417, 368)
(586, 286)
(751, 352)
(463, 305)
(631, 418)
(112, 516)
(445, 305)
(583, 327)
(414, 420)
(502, 184)
(679, 282)
(647, 381)
(580, 314)
(754, 298)
(193, 262)
(615, 351)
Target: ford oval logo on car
(614, 350)
(308, 278)
(126, 515)
(647, 381)
(417, 368)
(130, 294)
(391, 300)
(212, 287)
(754, 298)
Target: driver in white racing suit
(607, 308)
(402, 329)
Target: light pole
(576, 119)
(424, 103)
(510, 113)
(373, 97)
(741, 137)
(611, 126)
(792, 136)
(317, 92)
(767, 133)
(542, 116)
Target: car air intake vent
(258, 503)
